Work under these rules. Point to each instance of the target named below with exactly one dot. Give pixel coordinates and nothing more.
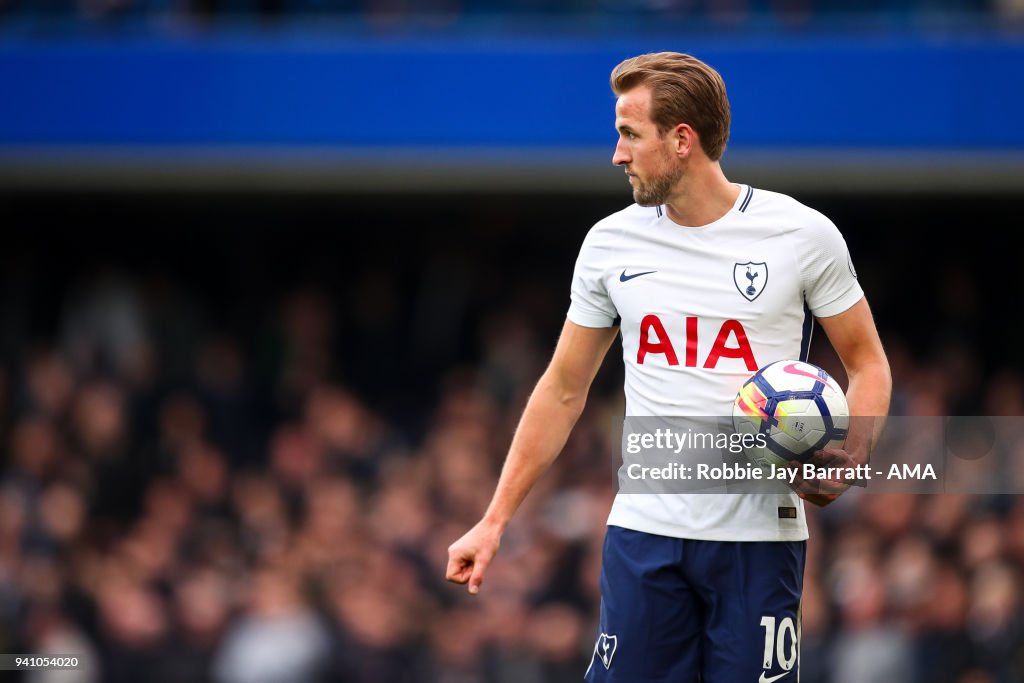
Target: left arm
(855, 339)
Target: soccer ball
(797, 407)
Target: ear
(684, 138)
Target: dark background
(412, 277)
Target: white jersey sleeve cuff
(590, 319)
(840, 305)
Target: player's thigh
(650, 630)
(753, 592)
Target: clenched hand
(469, 557)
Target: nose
(621, 155)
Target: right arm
(551, 412)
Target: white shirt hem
(720, 533)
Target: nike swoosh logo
(766, 679)
(794, 370)
(626, 278)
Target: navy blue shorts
(677, 610)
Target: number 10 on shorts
(775, 642)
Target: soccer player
(706, 281)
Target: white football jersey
(701, 309)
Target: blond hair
(683, 90)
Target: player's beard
(655, 191)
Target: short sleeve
(829, 278)
(590, 305)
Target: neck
(701, 198)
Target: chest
(742, 277)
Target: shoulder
(613, 227)
(632, 215)
(788, 213)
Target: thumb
(479, 569)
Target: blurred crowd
(730, 10)
(183, 505)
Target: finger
(814, 486)
(459, 575)
(819, 499)
(833, 489)
(459, 569)
(825, 486)
(477, 578)
(832, 456)
(807, 492)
